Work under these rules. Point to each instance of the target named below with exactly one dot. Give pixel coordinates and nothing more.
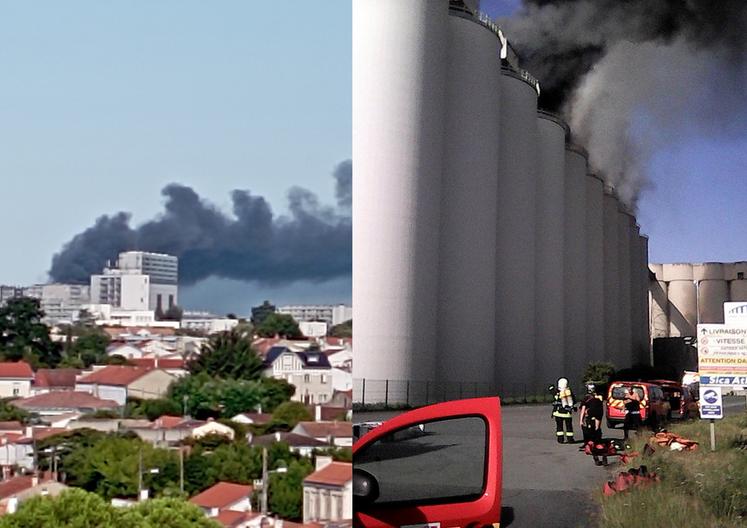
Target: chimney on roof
(322, 462)
(317, 413)
(277, 436)
(35, 480)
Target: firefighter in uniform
(562, 407)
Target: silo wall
(737, 276)
(682, 307)
(594, 223)
(647, 352)
(515, 247)
(549, 353)
(624, 300)
(659, 300)
(466, 301)
(638, 306)
(713, 291)
(574, 263)
(611, 280)
(399, 51)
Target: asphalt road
(546, 484)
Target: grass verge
(698, 488)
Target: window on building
(306, 378)
(740, 275)
(15, 391)
(324, 378)
(171, 301)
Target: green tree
(9, 412)
(165, 513)
(72, 508)
(288, 414)
(228, 355)
(76, 508)
(285, 494)
(599, 373)
(152, 409)
(282, 325)
(24, 336)
(173, 313)
(338, 454)
(206, 396)
(344, 329)
(87, 349)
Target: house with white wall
(15, 379)
(328, 492)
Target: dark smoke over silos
(632, 76)
(312, 243)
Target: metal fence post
(363, 392)
(386, 393)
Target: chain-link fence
(411, 393)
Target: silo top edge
(595, 176)
(544, 114)
(578, 149)
(522, 75)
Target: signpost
(712, 408)
(722, 362)
(722, 355)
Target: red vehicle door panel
(439, 466)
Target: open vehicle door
(435, 467)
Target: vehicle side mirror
(365, 488)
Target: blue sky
(104, 103)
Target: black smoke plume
(631, 75)
(314, 242)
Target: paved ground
(546, 484)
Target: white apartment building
(138, 281)
(331, 314)
(9, 292)
(60, 302)
(207, 322)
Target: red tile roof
(11, 426)
(292, 439)
(334, 474)
(176, 422)
(325, 429)
(164, 363)
(18, 369)
(221, 495)
(15, 485)
(258, 418)
(328, 413)
(117, 331)
(64, 377)
(64, 400)
(231, 519)
(119, 375)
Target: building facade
(60, 302)
(138, 281)
(331, 314)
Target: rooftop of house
(292, 439)
(221, 495)
(333, 474)
(64, 400)
(325, 429)
(118, 375)
(15, 370)
(62, 377)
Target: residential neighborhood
(198, 416)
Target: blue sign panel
(731, 381)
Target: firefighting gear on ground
(634, 477)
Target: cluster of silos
(684, 295)
(484, 251)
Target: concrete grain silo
(515, 257)
(659, 299)
(466, 300)
(574, 261)
(738, 281)
(713, 291)
(399, 52)
(611, 280)
(682, 305)
(552, 132)
(645, 281)
(637, 312)
(624, 221)
(595, 268)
